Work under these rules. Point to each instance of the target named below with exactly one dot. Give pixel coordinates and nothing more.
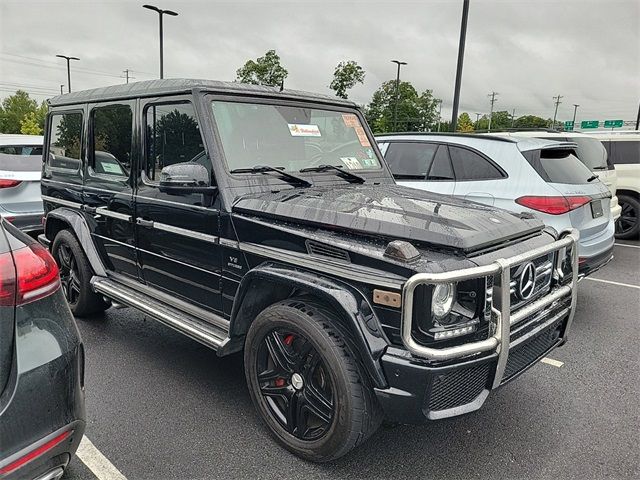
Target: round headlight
(442, 301)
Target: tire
(312, 345)
(628, 226)
(75, 275)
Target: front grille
(544, 272)
(324, 250)
(458, 387)
(524, 354)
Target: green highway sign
(590, 124)
(613, 123)
(568, 125)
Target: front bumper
(432, 383)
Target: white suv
(624, 152)
(590, 151)
(541, 177)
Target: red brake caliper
(288, 340)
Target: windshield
(291, 138)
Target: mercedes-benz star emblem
(527, 281)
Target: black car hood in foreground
(392, 211)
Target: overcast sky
(527, 50)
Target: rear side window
(111, 140)
(410, 160)
(625, 152)
(558, 166)
(65, 141)
(468, 165)
(441, 167)
(172, 136)
(25, 150)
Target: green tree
(415, 112)
(499, 121)
(13, 111)
(265, 70)
(531, 121)
(29, 125)
(346, 76)
(464, 123)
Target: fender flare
(78, 224)
(368, 338)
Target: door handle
(144, 223)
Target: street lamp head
(398, 62)
(67, 57)
(170, 12)
(160, 11)
(151, 7)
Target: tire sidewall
(337, 437)
(633, 233)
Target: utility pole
(477, 120)
(555, 113)
(513, 117)
(160, 14)
(493, 100)
(439, 114)
(395, 107)
(61, 87)
(575, 109)
(638, 118)
(463, 37)
(68, 68)
(127, 76)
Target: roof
(11, 139)
(182, 85)
(523, 143)
(440, 135)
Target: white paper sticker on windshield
(299, 130)
(111, 168)
(352, 163)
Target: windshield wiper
(292, 179)
(592, 178)
(351, 177)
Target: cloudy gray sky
(527, 50)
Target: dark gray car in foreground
(42, 415)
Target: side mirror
(185, 178)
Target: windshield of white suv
(291, 138)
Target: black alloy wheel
(69, 277)
(627, 226)
(295, 385)
(307, 382)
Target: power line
(44, 64)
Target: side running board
(210, 335)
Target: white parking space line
(625, 245)
(95, 461)
(551, 361)
(613, 283)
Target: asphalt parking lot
(160, 406)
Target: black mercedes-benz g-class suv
(266, 221)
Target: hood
(394, 212)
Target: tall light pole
(160, 14)
(68, 69)
(555, 113)
(456, 92)
(61, 87)
(395, 108)
(575, 109)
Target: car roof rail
(447, 134)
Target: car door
(177, 232)
(477, 178)
(107, 191)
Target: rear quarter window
(558, 166)
(624, 152)
(65, 141)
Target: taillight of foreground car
(27, 274)
(555, 205)
(9, 183)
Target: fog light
(455, 332)
(442, 300)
